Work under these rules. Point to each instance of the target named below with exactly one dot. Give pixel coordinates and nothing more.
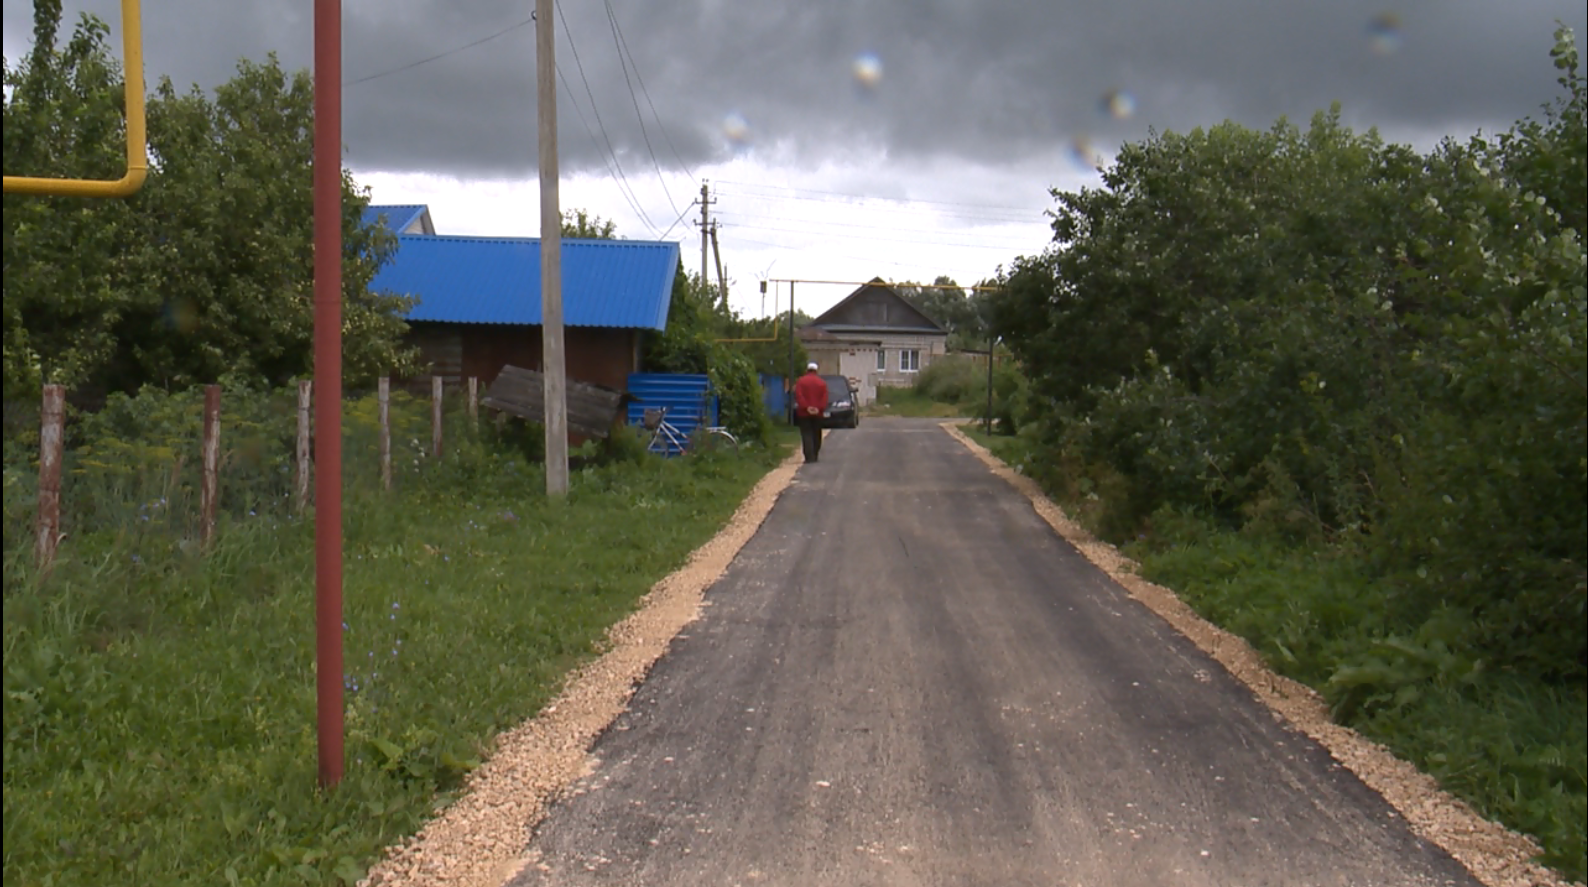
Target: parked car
(843, 408)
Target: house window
(909, 361)
(882, 360)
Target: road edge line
(1491, 852)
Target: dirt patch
(480, 840)
(1494, 854)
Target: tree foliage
(207, 271)
(1314, 331)
(962, 312)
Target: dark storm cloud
(984, 82)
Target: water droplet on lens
(867, 70)
(1083, 155)
(736, 129)
(1384, 33)
(1117, 103)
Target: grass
(160, 707)
(1514, 747)
(911, 403)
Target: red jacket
(810, 395)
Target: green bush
(953, 379)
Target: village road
(907, 678)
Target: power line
(871, 196)
(620, 183)
(646, 219)
(908, 210)
(441, 55)
(617, 42)
(624, 43)
(680, 218)
(916, 241)
(827, 224)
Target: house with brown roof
(876, 338)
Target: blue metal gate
(688, 399)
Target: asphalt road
(907, 678)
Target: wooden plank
(520, 392)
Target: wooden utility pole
(554, 365)
(705, 224)
(722, 282)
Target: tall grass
(159, 722)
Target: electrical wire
(617, 43)
(921, 212)
(856, 225)
(1019, 209)
(916, 241)
(574, 100)
(624, 44)
(644, 218)
(680, 218)
(440, 55)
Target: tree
(206, 272)
(579, 223)
(1316, 332)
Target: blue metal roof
(626, 284)
(397, 217)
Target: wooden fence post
(52, 420)
(383, 400)
(305, 390)
(435, 417)
(474, 399)
(210, 486)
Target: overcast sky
(847, 139)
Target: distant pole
(383, 408)
(553, 361)
(722, 281)
(436, 416)
(209, 486)
(52, 420)
(328, 385)
(305, 402)
(991, 345)
(788, 400)
(705, 206)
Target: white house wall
(858, 361)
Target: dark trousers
(811, 436)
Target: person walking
(810, 400)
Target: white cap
(811, 365)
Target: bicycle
(668, 439)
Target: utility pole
(553, 362)
(722, 282)
(705, 203)
(793, 372)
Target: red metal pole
(328, 383)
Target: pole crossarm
(881, 283)
(137, 142)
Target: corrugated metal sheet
(774, 396)
(605, 283)
(688, 399)
(397, 217)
